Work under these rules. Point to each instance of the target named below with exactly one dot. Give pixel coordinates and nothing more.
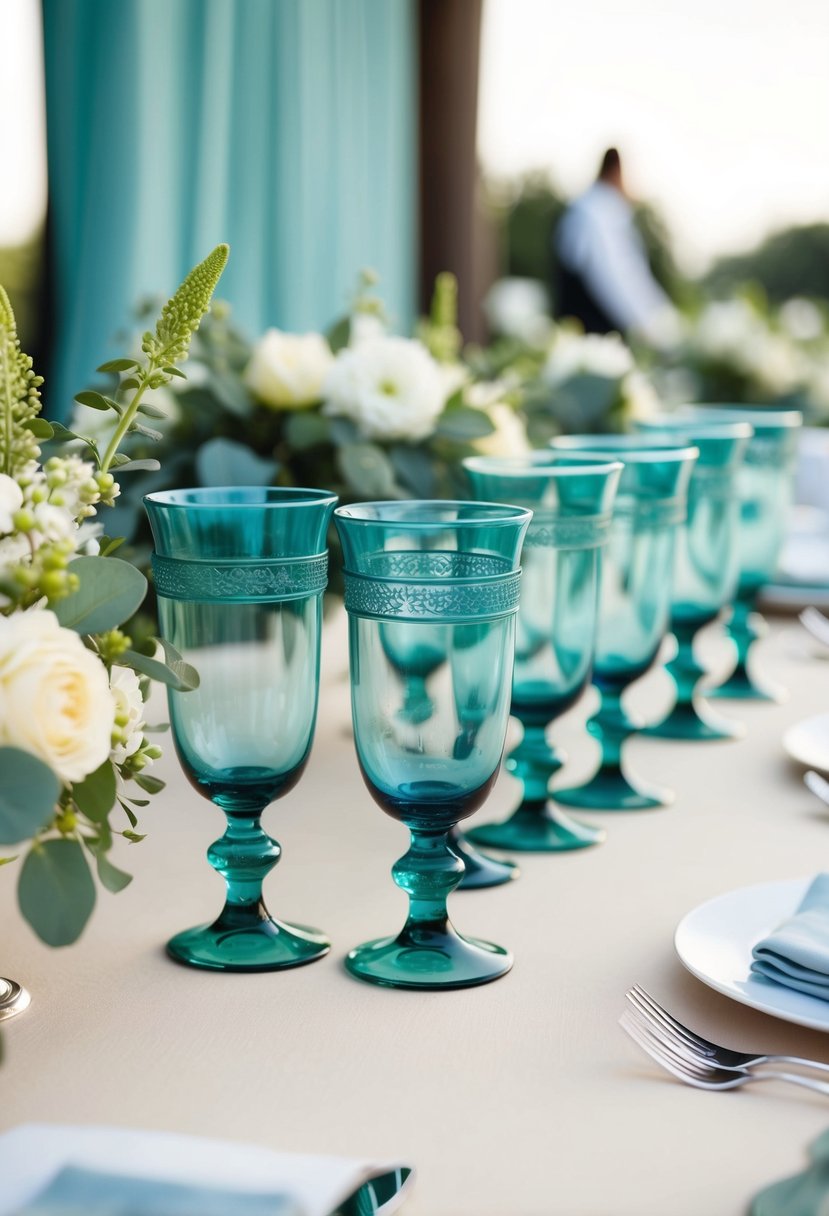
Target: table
(520, 1098)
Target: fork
(707, 1076)
(687, 1042)
(816, 624)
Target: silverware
(707, 1076)
(686, 1042)
(816, 624)
(818, 785)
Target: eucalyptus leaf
(463, 424)
(175, 673)
(232, 393)
(111, 877)
(56, 892)
(224, 462)
(95, 795)
(147, 431)
(150, 465)
(175, 371)
(150, 785)
(110, 591)
(339, 334)
(29, 791)
(108, 544)
(152, 411)
(131, 816)
(414, 468)
(133, 837)
(306, 429)
(367, 469)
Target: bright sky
(22, 128)
(719, 107)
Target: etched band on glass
(651, 512)
(549, 530)
(240, 581)
(408, 585)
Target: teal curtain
(286, 127)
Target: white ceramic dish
(715, 941)
(807, 742)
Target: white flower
(641, 401)
(390, 387)
(519, 308)
(801, 319)
(11, 500)
(55, 700)
(128, 732)
(287, 371)
(365, 326)
(575, 354)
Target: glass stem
(611, 725)
(743, 631)
(244, 856)
(683, 668)
(428, 873)
(534, 762)
(417, 704)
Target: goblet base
(428, 960)
(535, 828)
(13, 999)
(742, 687)
(611, 791)
(479, 870)
(264, 945)
(694, 722)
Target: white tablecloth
(522, 1097)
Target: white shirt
(598, 240)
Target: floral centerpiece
(74, 751)
(359, 410)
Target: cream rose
(55, 700)
(287, 371)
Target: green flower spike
(19, 396)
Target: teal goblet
(447, 571)
(635, 599)
(571, 501)
(705, 565)
(766, 488)
(239, 575)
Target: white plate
(807, 742)
(715, 942)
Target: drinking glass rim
(523, 466)
(289, 496)
(760, 417)
(628, 448)
(509, 515)
(691, 432)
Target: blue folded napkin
(796, 953)
(83, 1192)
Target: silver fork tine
(639, 1036)
(664, 1049)
(643, 1001)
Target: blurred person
(603, 276)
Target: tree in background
(793, 262)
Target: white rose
(287, 371)
(129, 713)
(363, 327)
(11, 500)
(587, 354)
(391, 388)
(54, 695)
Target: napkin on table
(796, 953)
(107, 1171)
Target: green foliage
(794, 262)
(175, 673)
(56, 892)
(109, 592)
(226, 462)
(19, 396)
(29, 791)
